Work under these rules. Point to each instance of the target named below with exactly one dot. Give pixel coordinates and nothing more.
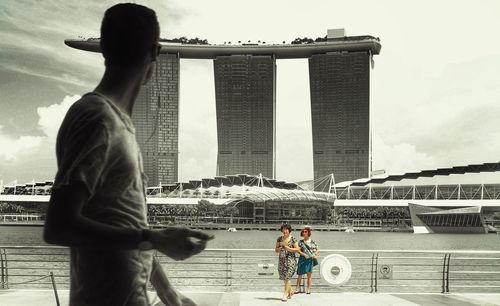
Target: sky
(434, 95)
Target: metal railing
(256, 270)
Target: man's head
(129, 33)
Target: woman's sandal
(291, 294)
(284, 298)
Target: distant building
(256, 198)
(156, 119)
(436, 220)
(340, 109)
(462, 199)
(245, 90)
(246, 103)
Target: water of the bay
(32, 236)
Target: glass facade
(340, 109)
(452, 220)
(245, 103)
(156, 119)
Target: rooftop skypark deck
(279, 51)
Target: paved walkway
(47, 298)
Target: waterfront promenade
(46, 298)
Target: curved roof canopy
(241, 187)
(474, 168)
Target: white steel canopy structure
(241, 187)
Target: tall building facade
(246, 107)
(156, 120)
(245, 84)
(340, 109)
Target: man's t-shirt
(96, 147)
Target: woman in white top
(308, 250)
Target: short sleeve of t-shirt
(301, 245)
(82, 147)
(314, 246)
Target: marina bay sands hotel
(245, 91)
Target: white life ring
(336, 269)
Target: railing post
(448, 273)
(443, 286)
(229, 269)
(2, 274)
(55, 288)
(375, 273)
(5, 269)
(372, 282)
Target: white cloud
(52, 116)
(399, 158)
(63, 78)
(28, 147)
(12, 148)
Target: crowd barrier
(431, 271)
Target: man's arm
(66, 225)
(165, 291)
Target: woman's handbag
(315, 262)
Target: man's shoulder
(90, 101)
(90, 107)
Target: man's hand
(179, 243)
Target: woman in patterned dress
(286, 246)
(308, 249)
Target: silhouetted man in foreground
(98, 203)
